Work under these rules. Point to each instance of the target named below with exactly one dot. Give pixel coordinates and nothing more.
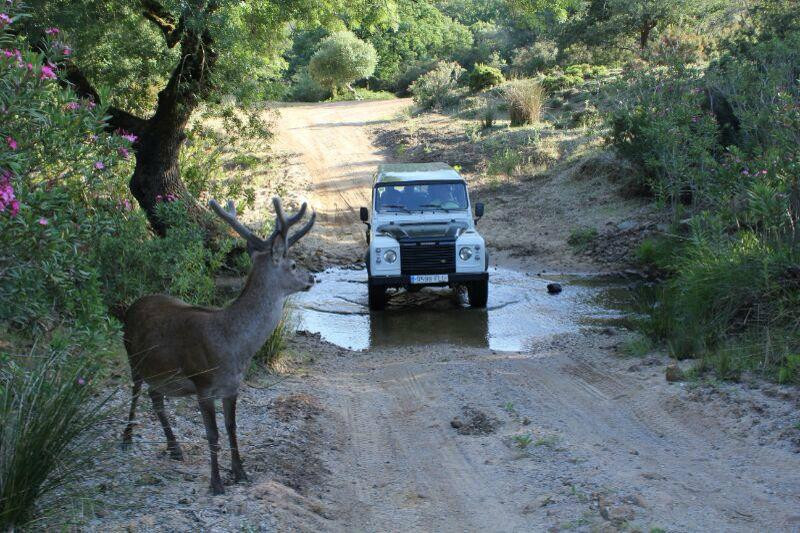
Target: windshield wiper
(395, 206)
(436, 206)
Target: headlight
(465, 253)
(390, 256)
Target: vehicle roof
(396, 172)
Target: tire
(478, 293)
(377, 297)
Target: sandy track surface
(329, 147)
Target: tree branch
(119, 118)
(155, 13)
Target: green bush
(437, 88)
(306, 89)
(409, 73)
(483, 77)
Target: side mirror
(364, 214)
(479, 210)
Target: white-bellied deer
(181, 349)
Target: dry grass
(525, 99)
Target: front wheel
(377, 297)
(478, 293)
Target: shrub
(437, 88)
(533, 59)
(506, 162)
(558, 81)
(306, 89)
(483, 77)
(51, 428)
(409, 73)
(580, 238)
(661, 127)
(525, 99)
(342, 58)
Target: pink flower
(90, 105)
(99, 165)
(42, 221)
(5, 19)
(130, 137)
(7, 199)
(124, 152)
(126, 204)
(73, 106)
(764, 172)
(81, 381)
(52, 31)
(745, 173)
(11, 143)
(66, 51)
(159, 198)
(47, 73)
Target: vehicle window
(421, 197)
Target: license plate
(429, 278)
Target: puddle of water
(519, 311)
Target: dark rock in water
(554, 288)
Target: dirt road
(580, 441)
(330, 148)
(564, 434)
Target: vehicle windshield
(420, 197)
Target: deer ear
(279, 247)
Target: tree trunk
(157, 172)
(644, 33)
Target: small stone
(184, 501)
(675, 374)
(627, 225)
(526, 421)
(541, 501)
(456, 423)
(617, 514)
(554, 288)
(634, 368)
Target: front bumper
(405, 281)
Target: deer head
(271, 262)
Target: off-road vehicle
(422, 233)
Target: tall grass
(525, 99)
(269, 355)
(50, 421)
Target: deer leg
(127, 435)
(229, 409)
(212, 434)
(173, 447)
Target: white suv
(422, 233)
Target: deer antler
(282, 224)
(229, 216)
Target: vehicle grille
(427, 258)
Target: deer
(181, 350)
